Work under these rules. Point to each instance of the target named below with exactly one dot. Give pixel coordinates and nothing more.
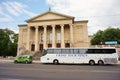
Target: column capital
(28, 27)
(36, 27)
(71, 24)
(44, 26)
(53, 25)
(62, 25)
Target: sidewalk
(11, 60)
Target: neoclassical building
(52, 29)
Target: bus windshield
(44, 52)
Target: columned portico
(54, 36)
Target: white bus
(90, 56)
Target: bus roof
(85, 48)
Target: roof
(63, 15)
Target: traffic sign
(111, 42)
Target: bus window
(98, 51)
(50, 51)
(44, 52)
(76, 51)
(71, 51)
(109, 51)
(57, 51)
(82, 51)
(90, 51)
(64, 51)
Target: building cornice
(81, 21)
(22, 25)
(49, 20)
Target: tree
(110, 34)
(8, 42)
(97, 38)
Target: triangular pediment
(49, 16)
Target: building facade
(52, 29)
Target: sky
(101, 14)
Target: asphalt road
(11, 71)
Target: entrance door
(58, 45)
(41, 47)
(33, 47)
(49, 45)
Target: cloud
(17, 9)
(13, 8)
(100, 13)
(10, 10)
(5, 17)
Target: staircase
(36, 55)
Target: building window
(50, 37)
(58, 36)
(41, 37)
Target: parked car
(23, 59)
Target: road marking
(68, 70)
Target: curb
(6, 60)
(36, 61)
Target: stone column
(28, 38)
(36, 38)
(71, 36)
(53, 36)
(62, 36)
(45, 37)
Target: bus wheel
(100, 62)
(92, 62)
(55, 61)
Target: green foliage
(8, 42)
(110, 34)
